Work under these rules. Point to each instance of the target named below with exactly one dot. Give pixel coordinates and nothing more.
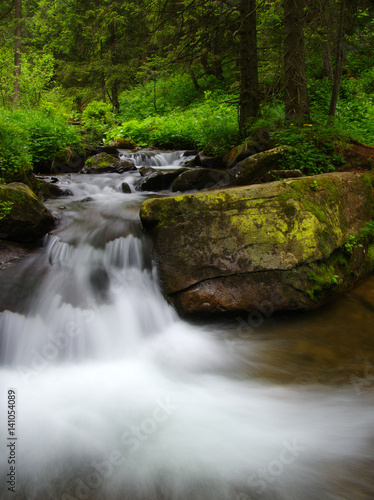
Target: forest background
(188, 74)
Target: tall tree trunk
(327, 60)
(249, 93)
(195, 81)
(295, 83)
(114, 96)
(154, 94)
(17, 51)
(339, 55)
(326, 9)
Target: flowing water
(118, 398)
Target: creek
(119, 398)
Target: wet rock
(125, 188)
(23, 218)
(243, 151)
(12, 252)
(197, 179)
(107, 163)
(111, 150)
(213, 162)
(67, 162)
(251, 169)
(158, 181)
(144, 171)
(194, 162)
(284, 244)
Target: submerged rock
(292, 244)
(23, 218)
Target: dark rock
(158, 181)
(46, 190)
(23, 217)
(211, 161)
(67, 162)
(191, 153)
(194, 162)
(241, 152)
(126, 188)
(253, 168)
(111, 150)
(283, 245)
(106, 163)
(126, 166)
(197, 178)
(144, 171)
(12, 252)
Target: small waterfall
(156, 159)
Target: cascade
(119, 398)
(154, 158)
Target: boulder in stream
(157, 180)
(107, 163)
(23, 218)
(197, 179)
(291, 245)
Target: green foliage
(97, 118)
(31, 137)
(48, 134)
(15, 158)
(356, 240)
(316, 148)
(209, 125)
(36, 75)
(355, 108)
(167, 94)
(5, 208)
(355, 111)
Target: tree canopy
(94, 50)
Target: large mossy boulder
(23, 218)
(292, 244)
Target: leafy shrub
(97, 118)
(15, 158)
(48, 135)
(209, 126)
(316, 149)
(32, 137)
(35, 78)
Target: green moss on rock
(294, 231)
(26, 218)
